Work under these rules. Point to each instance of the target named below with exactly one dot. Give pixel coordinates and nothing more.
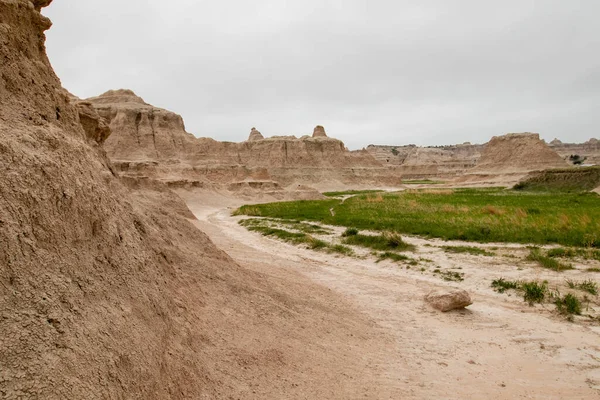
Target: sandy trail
(499, 348)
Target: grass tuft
(569, 304)
(393, 256)
(588, 286)
(547, 262)
(350, 232)
(501, 285)
(534, 292)
(386, 241)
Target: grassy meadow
(479, 215)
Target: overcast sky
(428, 72)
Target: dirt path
(499, 348)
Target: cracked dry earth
(497, 348)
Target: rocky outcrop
(587, 153)
(142, 132)
(148, 142)
(518, 152)
(412, 161)
(255, 135)
(96, 128)
(319, 131)
(448, 300)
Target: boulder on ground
(446, 300)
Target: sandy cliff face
(107, 292)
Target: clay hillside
(109, 292)
(152, 142)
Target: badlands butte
(151, 143)
(123, 274)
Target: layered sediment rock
(518, 152)
(152, 142)
(578, 153)
(319, 131)
(439, 161)
(255, 135)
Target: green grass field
(479, 215)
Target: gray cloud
(385, 72)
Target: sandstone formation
(110, 292)
(448, 300)
(255, 135)
(518, 152)
(148, 142)
(319, 131)
(587, 153)
(434, 161)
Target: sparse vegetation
(534, 292)
(588, 286)
(501, 285)
(569, 304)
(570, 252)
(547, 262)
(385, 241)
(350, 232)
(481, 215)
(262, 226)
(450, 275)
(392, 256)
(476, 251)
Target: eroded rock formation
(518, 152)
(578, 153)
(110, 292)
(152, 142)
(319, 131)
(255, 135)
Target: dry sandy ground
(498, 348)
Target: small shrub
(450, 275)
(534, 292)
(350, 232)
(568, 304)
(588, 286)
(341, 249)
(393, 256)
(316, 244)
(501, 285)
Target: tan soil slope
(107, 293)
(517, 152)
